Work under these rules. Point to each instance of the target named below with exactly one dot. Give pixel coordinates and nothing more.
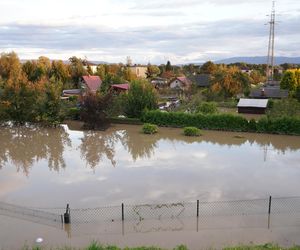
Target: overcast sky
(155, 31)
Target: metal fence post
(67, 216)
(270, 203)
(122, 211)
(197, 208)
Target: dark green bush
(150, 128)
(73, 113)
(226, 122)
(191, 131)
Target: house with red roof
(119, 88)
(88, 84)
(181, 82)
(91, 83)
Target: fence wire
(33, 215)
(173, 212)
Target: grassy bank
(98, 246)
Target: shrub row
(226, 122)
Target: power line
(270, 60)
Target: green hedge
(226, 122)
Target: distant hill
(260, 60)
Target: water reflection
(95, 145)
(138, 144)
(23, 146)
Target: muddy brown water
(48, 168)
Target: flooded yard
(48, 168)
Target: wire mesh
(93, 215)
(285, 205)
(240, 207)
(34, 215)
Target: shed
(252, 106)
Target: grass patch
(191, 131)
(149, 128)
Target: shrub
(93, 110)
(191, 131)
(150, 128)
(141, 96)
(207, 108)
(73, 113)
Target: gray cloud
(194, 41)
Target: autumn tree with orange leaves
(229, 81)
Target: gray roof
(256, 103)
(202, 80)
(269, 92)
(72, 92)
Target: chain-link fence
(29, 214)
(172, 212)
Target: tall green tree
(59, 71)
(20, 100)
(77, 70)
(50, 109)
(141, 96)
(152, 71)
(169, 66)
(289, 81)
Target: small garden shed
(252, 106)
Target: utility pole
(270, 60)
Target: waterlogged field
(48, 168)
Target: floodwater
(45, 168)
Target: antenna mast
(270, 60)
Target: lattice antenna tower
(270, 60)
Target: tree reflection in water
(139, 145)
(23, 146)
(95, 145)
(98, 144)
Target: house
(252, 106)
(119, 88)
(159, 82)
(139, 71)
(92, 66)
(201, 80)
(87, 83)
(246, 71)
(269, 92)
(182, 83)
(91, 83)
